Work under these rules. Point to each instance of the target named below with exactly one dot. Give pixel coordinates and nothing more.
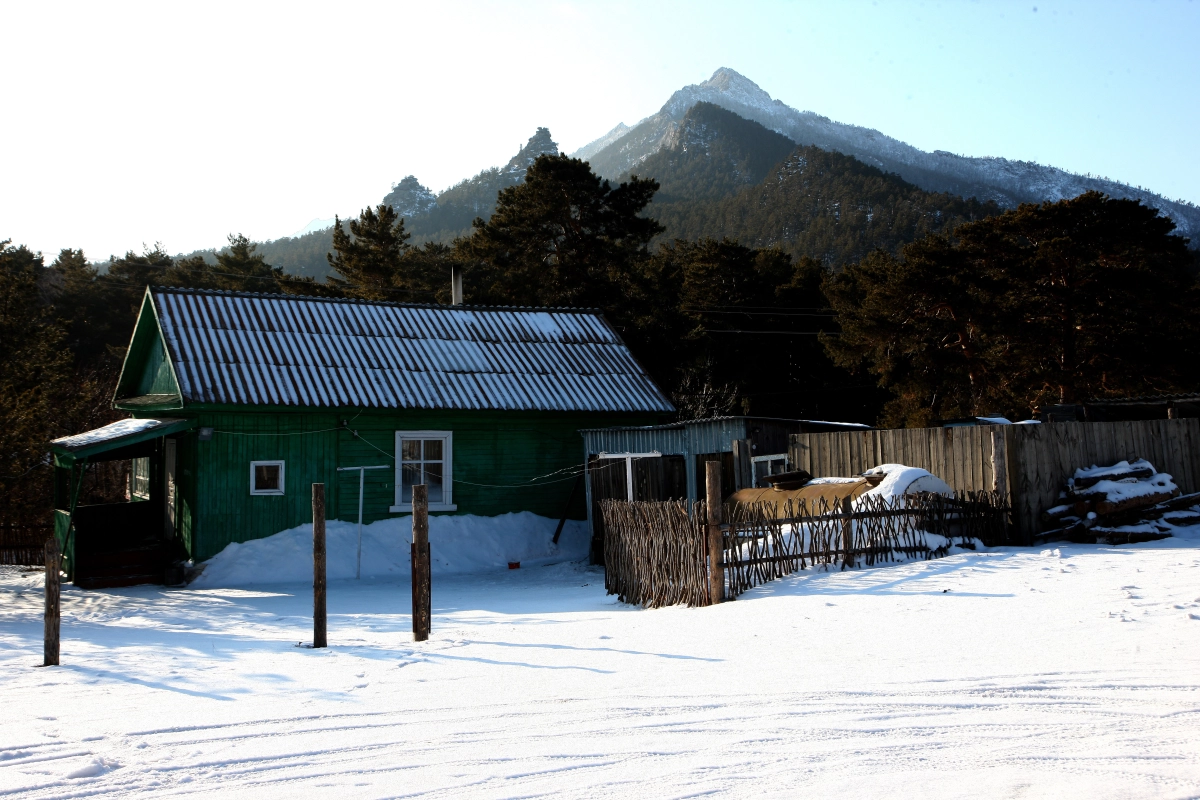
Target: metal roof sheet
(261, 349)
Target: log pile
(1119, 504)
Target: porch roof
(121, 433)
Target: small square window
(266, 477)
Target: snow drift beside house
(457, 544)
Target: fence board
(1039, 458)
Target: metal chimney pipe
(456, 297)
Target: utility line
(779, 333)
(784, 313)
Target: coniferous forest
(748, 275)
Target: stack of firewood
(1119, 504)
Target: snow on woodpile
(1124, 502)
(457, 544)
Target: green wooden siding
(494, 452)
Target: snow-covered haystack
(1125, 502)
(898, 480)
(457, 544)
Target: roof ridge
(361, 301)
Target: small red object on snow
(514, 565)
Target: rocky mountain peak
(538, 145)
(1008, 183)
(725, 87)
(410, 198)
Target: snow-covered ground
(1072, 671)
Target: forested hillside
(1003, 180)
(724, 176)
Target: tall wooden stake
(716, 548)
(847, 533)
(421, 603)
(318, 491)
(50, 655)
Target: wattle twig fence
(656, 552)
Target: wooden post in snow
(716, 549)
(847, 533)
(318, 500)
(421, 603)
(53, 565)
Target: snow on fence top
(262, 349)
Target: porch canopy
(124, 436)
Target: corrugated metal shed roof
(263, 349)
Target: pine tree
(241, 268)
(1059, 302)
(563, 237)
(35, 373)
(368, 257)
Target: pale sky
(131, 123)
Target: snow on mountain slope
(591, 148)
(1005, 181)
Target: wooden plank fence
(24, 544)
(656, 553)
(1026, 464)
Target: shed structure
(664, 462)
(254, 397)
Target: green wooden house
(241, 401)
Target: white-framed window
(266, 477)
(139, 479)
(425, 457)
(765, 466)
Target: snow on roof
(111, 432)
(264, 349)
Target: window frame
(768, 460)
(139, 479)
(447, 438)
(282, 478)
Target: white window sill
(407, 507)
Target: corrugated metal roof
(264, 349)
